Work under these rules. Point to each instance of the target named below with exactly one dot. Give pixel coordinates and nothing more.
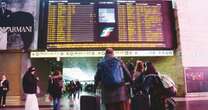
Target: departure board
(70, 22)
(140, 25)
(140, 22)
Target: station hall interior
(72, 35)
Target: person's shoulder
(150, 76)
(26, 74)
(101, 62)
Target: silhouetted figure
(110, 77)
(56, 89)
(154, 87)
(78, 88)
(5, 21)
(4, 88)
(5, 14)
(30, 89)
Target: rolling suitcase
(140, 102)
(90, 102)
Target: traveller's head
(3, 77)
(149, 68)
(139, 66)
(3, 4)
(32, 70)
(57, 73)
(109, 52)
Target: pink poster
(196, 79)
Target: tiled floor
(196, 103)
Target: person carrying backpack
(170, 92)
(160, 89)
(139, 100)
(110, 77)
(56, 89)
(153, 87)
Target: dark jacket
(50, 82)
(56, 87)
(153, 86)
(5, 18)
(29, 83)
(5, 86)
(138, 85)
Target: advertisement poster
(18, 24)
(196, 79)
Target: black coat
(5, 18)
(55, 89)
(5, 86)
(29, 83)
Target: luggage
(111, 72)
(170, 104)
(169, 85)
(90, 102)
(140, 102)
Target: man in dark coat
(5, 14)
(55, 89)
(5, 21)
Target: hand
(5, 89)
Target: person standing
(4, 88)
(30, 89)
(56, 89)
(138, 78)
(4, 12)
(5, 21)
(50, 82)
(110, 77)
(154, 87)
(78, 88)
(140, 99)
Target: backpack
(170, 104)
(111, 72)
(169, 85)
(166, 82)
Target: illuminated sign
(17, 30)
(196, 79)
(135, 25)
(106, 15)
(123, 53)
(106, 32)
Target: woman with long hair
(30, 89)
(139, 101)
(139, 69)
(153, 87)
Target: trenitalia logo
(16, 29)
(106, 32)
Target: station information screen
(140, 25)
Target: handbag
(38, 90)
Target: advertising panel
(18, 29)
